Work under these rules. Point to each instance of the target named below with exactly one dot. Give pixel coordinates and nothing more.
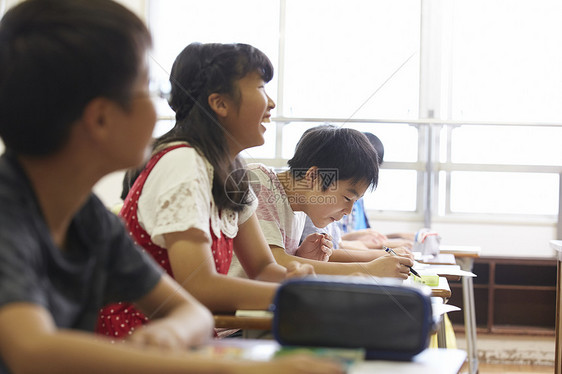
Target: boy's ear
(96, 117)
(218, 104)
(312, 176)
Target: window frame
(434, 114)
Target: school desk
(440, 259)
(464, 256)
(442, 291)
(430, 361)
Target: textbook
(264, 350)
(347, 356)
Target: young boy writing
(331, 169)
(354, 231)
(74, 106)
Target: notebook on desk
(442, 270)
(254, 313)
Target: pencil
(389, 250)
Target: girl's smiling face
(243, 124)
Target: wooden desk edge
(244, 323)
(460, 254)
(461, 251)
(438, 292)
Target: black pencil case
(385, 318)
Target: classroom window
(506, 59)
(471, 87)
(339, 54)
(176, 23)
(396, 191)
(522, 145)
(504, 193)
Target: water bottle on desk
(427, 243)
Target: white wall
(108, 189)
(509, 240)
(7, 4)
(495, 239)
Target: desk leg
(442, 334)
(469, 314)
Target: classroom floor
(512, 354)
(511, 369)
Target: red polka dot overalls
(120, 319)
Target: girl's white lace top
(177, 196)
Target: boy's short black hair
(377, 144)
(343, 153)
(55, 57)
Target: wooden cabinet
(512, 295)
